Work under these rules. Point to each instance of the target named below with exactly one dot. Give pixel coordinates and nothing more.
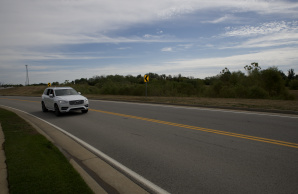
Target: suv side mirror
(79, 93)
(51, 95)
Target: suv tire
(57, 111)
(44, 109)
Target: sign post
(49, 84)
(146, 79)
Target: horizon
(124, 76)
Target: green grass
(34, 164)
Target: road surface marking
(254, 138)
(249, 137)
(207, 109)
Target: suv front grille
(76, 102)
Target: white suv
(63, 99)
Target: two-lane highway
(188, 150)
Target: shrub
(294, 84)
(257, 93)
(241, 91)
(227, 92)
(272, 81)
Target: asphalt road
(188, 150)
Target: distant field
(23, 91)
(291, 105)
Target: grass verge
(34, 164)
(245, 104)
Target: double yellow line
(254, 138)
(249, 137)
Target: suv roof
(58, 88)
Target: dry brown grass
(289, 105)
(23, 91)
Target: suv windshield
(65, 92)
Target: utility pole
(27, 76)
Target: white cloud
(284, 59)
(225, 18)
(179, 47)
(124, 48)
(186, 46)
(177, 9)
(167, 49)
(28, 22)
(262, 29)
(21, 55)
(32, 30)
(273, 57)
(284, 39)
(147, 36)
(264, 35)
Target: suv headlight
(62, 102)
(86, 100)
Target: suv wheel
(44, 109)
(57, 111)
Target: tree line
(255, 83)
(270, 83)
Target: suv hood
(71, 97)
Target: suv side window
(49, 91)
(45, 92)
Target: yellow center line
(249, 137)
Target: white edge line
(131, 173)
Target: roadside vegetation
(269, 83)
(256, 83)
(255, 89)
(34, 164)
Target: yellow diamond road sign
(49, 84)
(146, 78)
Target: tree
(252, 68)
(55, 84)
(294, 84)
(291, 74)
(225, 74)
(273, 82)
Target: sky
(71, 39)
